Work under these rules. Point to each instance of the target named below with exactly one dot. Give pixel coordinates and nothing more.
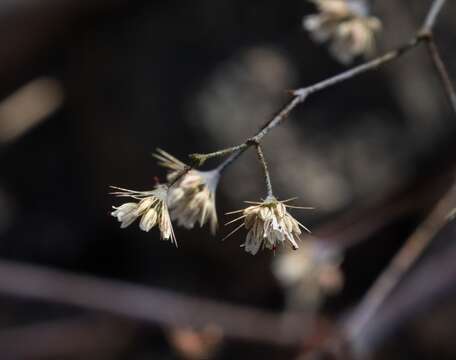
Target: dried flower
(268, 224)
(192, 195)
(347, 25)
(151, 206)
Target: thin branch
(149, 304)
(442, 71)
(200, 159)
(414, 247)
(433, 13)
(229, 160)
(267, 177)
(301, 94)
(418, 242)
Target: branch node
(197, 159)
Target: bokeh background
(89, 89)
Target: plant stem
(413, 248)
(267, 177)
(301, 94)
(433, 13)
(200, 159)
(442, 71)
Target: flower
(268, 224)
(347, 25)
(191, 197)
(151, 206)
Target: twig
(301, 94)
(442, 71)
(418, 242)
(414, 247)
(152, 305)
(413, 298)
(267, 177)
(424, 234)
(433, 13)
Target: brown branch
(151, 305)
(414, 247)
(418, 242)
(442, 71)
(432, 15)
(267, 176)
(301, 94)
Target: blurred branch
(414, 247)
(418, 242)
(152, 305)
(442, 71)
(357, 225)
(433, 13)
(410, 300)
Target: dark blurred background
(90, 88)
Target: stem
(148, 304)
(300, 95)
(433, 13)
(200, 159)
(279, 118)
(413, 248)
(358, 70)
(425, 233)
(229, 160)
(442, 71)
(267, 177)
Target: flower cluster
(268, 225)
(191, 199)
(151, 207)
(347, 25)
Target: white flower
(346, 24)
(151, 206)
(191, 197)
(268, 225)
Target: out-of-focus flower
(151, 206)
(310, 274)
(346, 24)
(193, 344)
(191, 196)
(268, 224)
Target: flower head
(150, 206)
(268, 225)
(191, 197)
(347, 25)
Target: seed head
(268, 224)
(191, 197)
(151, 206)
